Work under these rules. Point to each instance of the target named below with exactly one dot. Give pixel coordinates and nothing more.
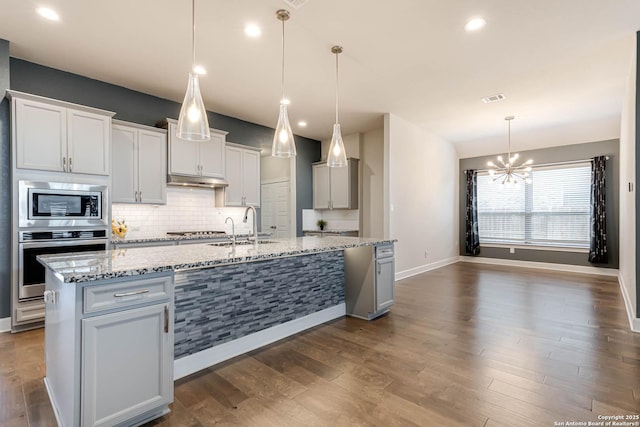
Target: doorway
(275, 208)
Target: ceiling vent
(296, 4)
(494, 98)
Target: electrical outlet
(512, 250)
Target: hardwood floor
(467, 344)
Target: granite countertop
(100, 265)
(174, 238)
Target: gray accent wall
(637, 180)
(5, 185)
(610, 148)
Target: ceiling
(563, 65)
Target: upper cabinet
(196, 158)
(243, 175)
(335, 188)
(139, 164)
(57, 136)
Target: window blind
(554, 210)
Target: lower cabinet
(125, 370)
(109, 349)
(369, 275)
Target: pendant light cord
(282, 99)
(193, 34)
(337, 86)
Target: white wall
(372, 183)
(627, 199)
(272, 168)
(423, 174)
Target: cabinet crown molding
(11, 94)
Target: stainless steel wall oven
(31, 244)
(53, 218)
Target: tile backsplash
(187, 209)
(337, 220)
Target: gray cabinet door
(128, 360)
(321, 189)
(152, 167)
(385, 283)
(124, 171)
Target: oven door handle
(59, 243)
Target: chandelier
(509, 172)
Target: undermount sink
(241, 242)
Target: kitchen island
(184, 308)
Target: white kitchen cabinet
(139, 164)
(335, 188)
(57, 136)
(196, 158)
(243, 175)
(109, 349)
(126, 370)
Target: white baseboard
(634, 322)
(195, 362)
(424, 268)
(5, 324)
(612, 272)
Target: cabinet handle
(128, 294)
(140, 196)
(379, 267)
(166, 319)
(135, 197)
(70, 164)
(64, 164)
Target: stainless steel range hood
(196, 181)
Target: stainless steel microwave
(61, 204)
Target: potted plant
(321, 224)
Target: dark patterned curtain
(472, 243)
(598, 239)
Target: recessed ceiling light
(199, 69)
(47, 13)
(302, 124)
(475, 24)
(252, 30)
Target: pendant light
(192, 122)
(508, 172)
(337, 157)
(283, 144)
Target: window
(554, 210)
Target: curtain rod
(568, 162)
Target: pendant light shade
(337, 157)
(192, 122)
(283, 144)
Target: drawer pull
(129, 294)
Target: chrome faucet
(233, 231)
(255, 221)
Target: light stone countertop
(100, 265)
